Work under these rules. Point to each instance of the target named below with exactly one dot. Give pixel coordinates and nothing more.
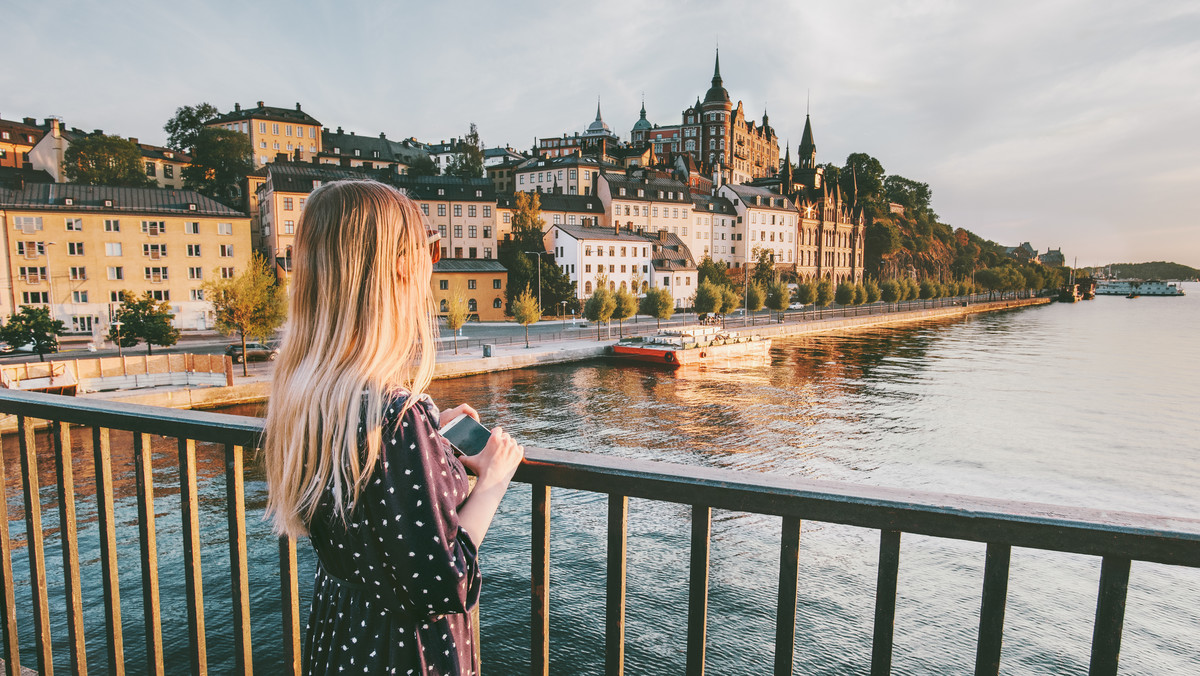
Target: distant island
(1155, 270)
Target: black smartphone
(466, 435)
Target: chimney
(55, 128)
(29, 121)
(382, 135)
(20, 182)
(281, 157)
(133, 140)
(617, 228)
(260, 104)
(352, 133)
(237, 107)
(297, 105)
(339, 130)
(662, 235)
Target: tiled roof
(468, 265)
(53, 196)
(20, 130)
(566, 162)
(769, 199)
(583, 204)
(262, 112)
(651, 188)
(582, 232)
(436, 188)
(713, 204)
(670, 253)
(161, 153)
(387, 149)
(299, 177)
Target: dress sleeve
(414, 504)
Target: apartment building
(556, 209)
(585, 253)
(75, 248)
(674, 267)
(765, 221)
(282, 191)
(462, 209)
(274, 130)
(17, 139)
(480, 282)
(348, 149)
(648, 204)
(569, 175)
(714, 233)
(163, 165)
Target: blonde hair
(361, 325)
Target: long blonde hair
(361, 325)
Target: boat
(1132, 295)
(1138, 287)
(690, 346)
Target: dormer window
(191, 206)
(357, 152)
(68, 201)
(621, 192)
(108, 203)
(337, 150)
(441, 191)
(479, 193)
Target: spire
(854, 184)
(717, 93)
(786, 175)
(717, 70)
(598, 109)
(808, 149)
(643, 106)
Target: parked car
(796, 306)
(254, 352)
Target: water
(1088, 405)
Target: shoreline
(254, 389)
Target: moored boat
(689, 346)
(1132, 288)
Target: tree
(527, 232)
(456, 312)
(423, 166)
(860, 294)
(730, 300)
(468, 159)
(913, 195)
(928, 289)
(778, 296)
(106, 160)
(31, 325)
(890, 291)
(185, 126)
(658, 303)
(867, 173)
(626, 304)
(872, 288)
(712, 271)
(844, 294)
(526, 311)
(251, 305)
(599, 308)
(824, 293)
(806, 293)
(709, 297)
(221, 159)
(144, 319)
(756, 297)
(764, 267)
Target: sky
(1064, 123)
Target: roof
(583, 204)
(10, 175)
(652, 187)
(582, 232)
(670, 253)
(53, 196)
(468, 265)
(566, 161)
(300, 177)
(642, 122)
(717, 93)
(387, 149)
(262, 112)
(165, 154)
(446, 188)
(24, 129)
(807, 147)
(714, 204)
(769, 199)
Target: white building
(714, 231)
(585, 253)
(765, 220)
(674, 267)
(647, 204)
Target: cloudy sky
(1065, 123)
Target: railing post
(102, 462)
(290, 601)
(189, 504)
(235, 506)
(144, 473)
(1110, 616)
(33, 542)
(885, 603)
(8, 603)
(698, 590)
(614, 624)
(539, 578)
(785, 618)
(68, 536)
(991, 610)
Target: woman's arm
(494, 467)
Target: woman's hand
(498, 460)
(446, 416)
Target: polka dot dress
(394, 583)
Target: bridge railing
(1114, 538)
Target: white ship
(1137, 287)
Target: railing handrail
(1137, 536)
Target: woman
(352, 453)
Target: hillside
(1154, 270)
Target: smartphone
(466, 435)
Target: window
(458, 231)
(79, 297)
(487, 213)
(471, 284)
(168, 171)
(226, 273)
(507, 217)
(154, 250)
(472, 252)
(275, 129)
(82, 323)
(224, 228)
(487, 253)
(197, 294)
(495, 284)
(150, 169)
(472, 231)
(487, 231)
(497, 304)
(226, 251)
(78, 273)
(192, 228)
(425, 209)
(160, 294)
(33, 275)
(441, 210)
(30, 297)
(443, 284)
(74, 248)
(472, 306)
(112, 248)
(112, 225)
(116, 273)
(153, 228)
(471, 211)
(194, 273)
(74, 224)
(458, 210)
(587, 268)
(156, 274)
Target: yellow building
(281, 193)
(481, 282)
(75, 248)
(274, 130)
(463, 210)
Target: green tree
(860, 294)
(600, 306)
(911, 290)
(806, 293)
(423, 166)
(144, 319)
(844, 294)
(626, 304)
(97, 159)
(890, 291)
(873, 291)
(712, 271)
(913, 195)
(526, 311)
(252, 304)
(824, 293)
(527, 235)
(658, 303)
(468, 159)
(221, 159)
(709, 297)
(756, 298)
(31, 325)
(184, 127)
(456, 312)
(764, 267)
(868, 174)
(730, 301)
(778, 297)
(928, 289)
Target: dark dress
(394, 585)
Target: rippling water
(1091, 404)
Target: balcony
(1115, 539)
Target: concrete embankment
(254, 389)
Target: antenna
(808, 103)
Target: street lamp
(563, 313)
(118, 323)
(50, 279)
(539, 271)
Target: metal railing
(1117, 538)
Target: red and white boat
(691, 346)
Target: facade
(715, 232)
(557, 209)
(647, 204)
(596, 139)
(1053, 258)
(495, 156)
(442, 154)
(481, 282)
(351, 150)
(74, 248)
(586, 253)
(569, 175)
(674, 267)
(280, 196)
(274, 130)
(766, 221)
(164, 164)
(503, 175)
(17, 139)
(463, 210)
